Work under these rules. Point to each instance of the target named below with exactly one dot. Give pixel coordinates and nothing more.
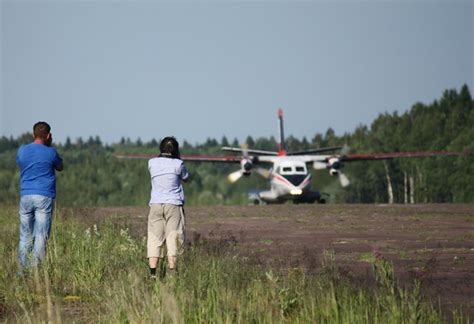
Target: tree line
(94, 177)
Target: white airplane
(288, 174)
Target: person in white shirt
(166, 220)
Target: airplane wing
(212, 158)
(386, 156)
(334, 161)
(135, 156)
(196, 158)
(316, 150)
(305, 158)
(251, 151)
(254, 159)
(374, 156)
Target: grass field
(98, 273)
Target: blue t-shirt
(37, 163)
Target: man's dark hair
(169, 147)
(41, 130)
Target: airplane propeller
(334, 165)
(245, 166)
(265, 173)
(234, 176)
(343, 179)
(345, 149)
(335, 170)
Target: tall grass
(100, 275)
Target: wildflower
(376, 253)
(96, 231)
(87, 233)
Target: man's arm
(184, 174)
(58, 163)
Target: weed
(459, 259)
(99, 274)
(366, 257)
(266, 242)
(403, 253)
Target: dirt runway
(433, 242)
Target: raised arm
(58, 162)
(184, 173)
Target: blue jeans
(35, 226)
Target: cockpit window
(299, 169)
(286, 169)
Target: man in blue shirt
(38, 162)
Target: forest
(93, 176)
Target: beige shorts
(166, 222)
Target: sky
(199, 69)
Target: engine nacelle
(246, 166)
(334, 163)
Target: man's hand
(49, 139)
(59, 167)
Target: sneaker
(153, 278)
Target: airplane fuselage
(289, 180)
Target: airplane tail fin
(281, 142)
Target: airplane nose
(296, 192)
(296, 180)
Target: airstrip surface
(431, 242)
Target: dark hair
(41, 130)
(169, 147)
